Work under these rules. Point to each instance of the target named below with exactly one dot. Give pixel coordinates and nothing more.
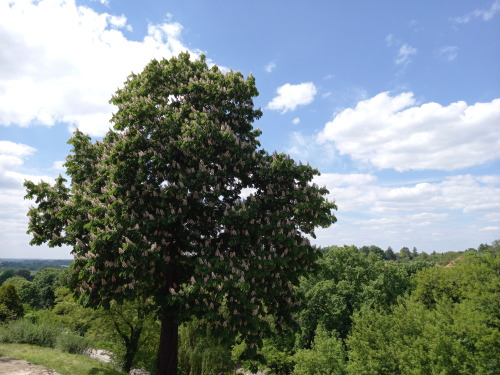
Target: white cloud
(394, 132)
(291, 96)
(59, 166)
(405, 53)
(11, 157)
(270, 67)
(495, 229)
(9, 148)
(448, 53)
(61, 62)
(296, 121)
(417, 214)
(13, 206)
(486, 15)
(464, 193)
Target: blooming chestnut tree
(179, 205)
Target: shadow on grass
(101, 371)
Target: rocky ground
(12, 366)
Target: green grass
(63, 363)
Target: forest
(364, 311)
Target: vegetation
(33, 264)
(62, 363)
(156, 211)
(360, 314)
(10, 303)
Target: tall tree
(389, 254)
(179, 204)
(404, 254)
(10, 303)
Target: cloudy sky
(396, 102)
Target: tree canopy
(179, 204)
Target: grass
(63, 363)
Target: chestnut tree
(180, 206)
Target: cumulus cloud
(11, 157)
(415, 213)
(395, 132)
(61, 62)
(270, 67)
(296, 121)
(404, 55)
(464, 193)
(13, 207)
(291, 96)
(448, 53)
(485, 14)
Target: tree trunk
(131, 347)
(168, 348)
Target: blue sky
(396, 102)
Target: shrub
(24, 331)
(72, 343)
(326, 356)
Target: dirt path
(12, 366)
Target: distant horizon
(394, 249)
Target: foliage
(62, 363)
(133, 331)
(156, 209)
(72, 342)
(6, 274)
(277, 353)
(126, 329)
(70, 314)
(326, 357)
(10, 303)
(40, 293)
(42, 333)
(201, 353)
(34, 264)
(449, 325)
(462, 279)
(404, 255)
(279, 360)
(17, 281)
(25, 331)
(372, 249)
(415, 340)
(389, 254)
(347, 281)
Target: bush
(72, 343)
(326, 356)
(10, 303)
(24, 331)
